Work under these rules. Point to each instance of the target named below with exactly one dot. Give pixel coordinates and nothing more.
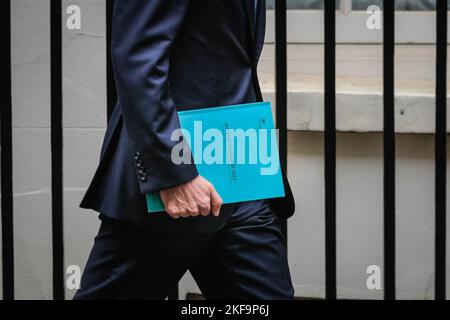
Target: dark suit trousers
(246, 259)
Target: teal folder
(235, 148)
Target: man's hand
(197, 197)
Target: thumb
(216, 202)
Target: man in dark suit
(170, 56)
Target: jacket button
(143, 178)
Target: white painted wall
(31, 149)
(359, 174)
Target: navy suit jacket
(172, 55)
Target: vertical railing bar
(441, 150)
(389, 149)
(110, 82)
(57, 147)
(330, 149)
(6, 154)
(281, 86)
(174, 293)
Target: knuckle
(191, 210)
(170, 210)
(183, 213)
(173, 211)
(173, 215)
(195, 214)
(205, 211)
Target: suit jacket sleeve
(142, 36)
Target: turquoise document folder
(235, 148)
